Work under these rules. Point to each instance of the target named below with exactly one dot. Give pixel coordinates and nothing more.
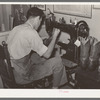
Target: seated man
(29, 67)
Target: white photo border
(48, 93)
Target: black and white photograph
(50, 46)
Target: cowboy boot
(84, 54)
(99, 66)
(94, 55)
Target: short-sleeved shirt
(22, 39)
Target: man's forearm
(50, 47)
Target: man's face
(38, 22)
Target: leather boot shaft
(94, 55)
(84, 54)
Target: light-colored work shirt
(22, 39)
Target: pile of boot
(89, 53)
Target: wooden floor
(66, 87)
(62, 87)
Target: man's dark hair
(34, 11)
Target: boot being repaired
(94, 55)
(84, 52)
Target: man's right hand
(51, 46)
(56, 32)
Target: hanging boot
(84, 52)
(94, 55)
